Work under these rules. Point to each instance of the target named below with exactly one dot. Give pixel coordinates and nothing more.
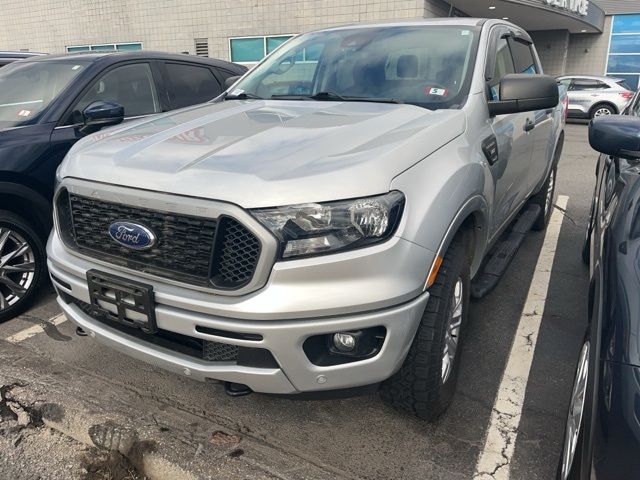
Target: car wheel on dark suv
(22, 264)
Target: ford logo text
(132, 235)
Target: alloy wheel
(452, 333)
(17, 267)
(602, 112)
(576, 410)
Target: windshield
(429, 66)
(27, 88)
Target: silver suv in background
(593, 96)
(318, 226)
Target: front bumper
(283, 338)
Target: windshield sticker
(465, 33)
(441, 92)
(76, 67)
(24, 113)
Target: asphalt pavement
(356, 437)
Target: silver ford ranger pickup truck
(323, 224)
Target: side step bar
(502, 254)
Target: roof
(613, 7)
(454, 21)
(112, 57)
(19, 54)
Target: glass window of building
(254, 49)
(106, 47)
(624, 50)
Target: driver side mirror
(521, 92)
(101, 114)
(616, 135)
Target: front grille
(237, 254)
(184, 248)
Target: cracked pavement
(262, 436)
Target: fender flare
(42, 208)
(476, 206)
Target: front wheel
(425, 384)
(22, 264)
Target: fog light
(344, 342)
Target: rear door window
(581, 84)
(566, 82)
(190, 84)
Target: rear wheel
(571, 459)
(22, 264)
(545, 198)
(602, 110)
(425, 384)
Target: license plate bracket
(124, 301)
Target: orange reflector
(434, 272)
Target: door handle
(529, 125)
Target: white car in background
(594, 96)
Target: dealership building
(572, 36)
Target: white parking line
(495, 459)
(35, 330)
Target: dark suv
(48, 103)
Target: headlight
(317, 228)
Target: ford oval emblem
(132, 235)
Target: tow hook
(236, 389)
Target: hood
(258, 153)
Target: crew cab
(318, 226)
(47, 103)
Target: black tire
(601, 107)
(578, 469)
(540, 198)
(12, 304)
(417, 387)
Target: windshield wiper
(332, 96)
(327, 96)
(242, 96)
(373, 99)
